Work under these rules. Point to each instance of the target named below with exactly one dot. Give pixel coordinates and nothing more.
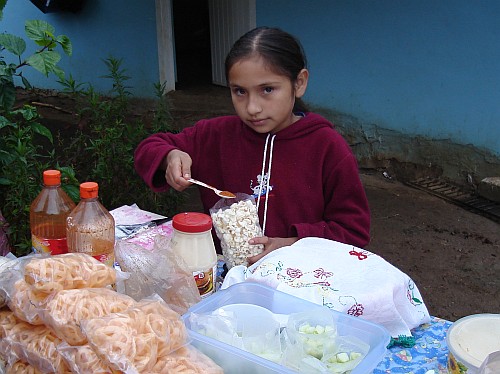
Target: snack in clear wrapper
(66, 310)
(35, 345)
(186, 360)
(5, 265)
(83, 359)
(132, 341)
(7, 321)
(20, 367)
(236, 222)
(67, 271)
(25, 302)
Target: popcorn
(235, 226)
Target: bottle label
(52, 246)
(106, 258)
(205, 281)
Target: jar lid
(89, 190)
(51, 177)
(192, 222)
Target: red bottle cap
(89, 190)
(51, 177)
(192, 222)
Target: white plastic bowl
(470, 340)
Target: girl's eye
(238, 91)
(268, 90)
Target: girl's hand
(270, 244)
(177, 166)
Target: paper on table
(133, 215)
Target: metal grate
(458, 195)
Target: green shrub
(102, 149)
(26, 146)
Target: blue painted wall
(122, 29)
(390, 69)
(425, 67)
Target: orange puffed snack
(20, 367)
(82, 359)
(132, 340)
(67, 271)
(186, 360)
(25, 302)
(67, 309)
(37, 346)
(7, 321)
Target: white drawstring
(262, 171)
(268, 179)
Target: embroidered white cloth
(342, 277)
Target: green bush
(101, 151)
(22, 155)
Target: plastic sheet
(157, 271)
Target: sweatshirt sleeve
(150, 153)
(347, 214)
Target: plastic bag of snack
(83, 359)
(131, 341)
(7, 321)
(9, 273)
(236, 222)
(65, 311)
(186, 359)
(35, 345)
(25, 302)
(157, 271)
(20, 367)
(67, 271)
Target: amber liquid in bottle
(48, 214)
(91, 228)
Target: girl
(302, 172)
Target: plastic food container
(235, 360)
(470, 340)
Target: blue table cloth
(428, 356)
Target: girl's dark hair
(281, 51)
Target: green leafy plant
(102, 149)
(26, 146)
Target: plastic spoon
(225, 194)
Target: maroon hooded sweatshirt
(311, 184)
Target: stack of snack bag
(63, 316)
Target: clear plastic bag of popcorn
(236, 222)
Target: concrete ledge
(489, 188)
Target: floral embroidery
(410, 294)
(356, 310)
(362, 255)
(322, 274)
(294, 277)
(294, 273)
(267, 268)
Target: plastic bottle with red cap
(48, 214)
(90, 226)
(192, 241)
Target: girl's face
(263, 99)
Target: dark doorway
(192, 43)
